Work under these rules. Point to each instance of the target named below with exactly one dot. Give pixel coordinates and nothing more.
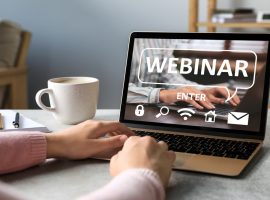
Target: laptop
(187, 68)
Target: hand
(144, 152)
(219, 95)
(83, 140)
(212, 95)
(170, 96)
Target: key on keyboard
(204, 145)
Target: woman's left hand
(86, 140)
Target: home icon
(210, 116)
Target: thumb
(105, 144)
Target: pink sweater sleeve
(132, 184)
(20, 150)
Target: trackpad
(181, 160)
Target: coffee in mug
(72, 99)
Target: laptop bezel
(194, 129)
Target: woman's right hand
(216, 95)
(170, 96)
(144, 152)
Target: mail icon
(239, 118)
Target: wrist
(162, 96)
(53, 146)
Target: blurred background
(90, 37)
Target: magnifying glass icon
(164, 110)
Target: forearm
(142, 94)
(20, 150)
(132, 184)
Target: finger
(214, 99)
(206, 103)
(123, 129)
(103, 127)
(225, 94)
(163, 145)
(232, 101)
(148, 139)
(190, 101)
(235, 98)
(105, 144)
(195, 104)
(107, 154)
(172, 156)
(131, 139)
(115, 133)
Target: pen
(1, 122)
(17, 120)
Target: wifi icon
(186, 113)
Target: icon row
(237, 118)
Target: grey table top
(62, 179)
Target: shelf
(194, 22)
(235, 25)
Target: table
(63, 179)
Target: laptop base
(208, 163)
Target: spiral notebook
(25, 124)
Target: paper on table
(25, 123)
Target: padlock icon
(139, 111)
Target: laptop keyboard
(223, 109)
(205, 146)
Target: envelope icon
(238, 118)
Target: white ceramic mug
(72, 99)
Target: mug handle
(39, 101)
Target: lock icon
(139, 111)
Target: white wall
(90, 37)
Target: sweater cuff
(154, 95)
(152, 176)
(38, 145)
(21, 149)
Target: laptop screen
(216, 83)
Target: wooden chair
(16, 78)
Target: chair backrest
(15, 95)
(23, 49)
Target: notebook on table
(25, 124)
